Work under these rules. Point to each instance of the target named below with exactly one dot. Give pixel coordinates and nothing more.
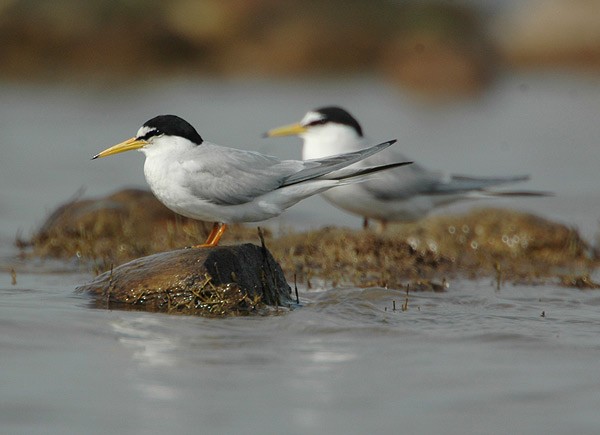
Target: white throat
(330, 139)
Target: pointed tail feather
(533, 193)
(492, 180)
(347, 173)
(462, 183)
(474, 194)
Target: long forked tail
(480, 187)
(461, 183)
(511, 193)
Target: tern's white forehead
(145, 132)
(311, 117)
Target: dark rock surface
(213, 281)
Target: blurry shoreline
(433, 49)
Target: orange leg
(215, 235)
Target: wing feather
(227, 176)
(315, 168)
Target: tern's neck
(330, 140)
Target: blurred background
(430, 48)
(477, 87)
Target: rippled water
(523, 359)
(472, 360)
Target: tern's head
(321, 122)
(326, 130)
(161, 132)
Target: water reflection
(151, 349)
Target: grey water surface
(523, 359)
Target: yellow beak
(128, 145)
(287, 130)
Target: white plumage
(405, 194)
(208, 182)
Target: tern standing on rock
(402, 195)
(200, 180)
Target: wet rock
(109, 230)
(502, 244)
(583, 282)
(224, 280)
(482, 243)
(119, 227)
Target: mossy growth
(503, 245)
(109, 231)
(583, 282)
(201, 297)
(491, 243)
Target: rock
(120, 227)
(481, 243)
(224, 280)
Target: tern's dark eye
(316, 122)
(150, 134)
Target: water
(471, 360)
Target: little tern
(204, 181)
(395, 195)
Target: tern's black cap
(340, 116)
(171, 125)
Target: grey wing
(400, 182)
(227, 176)
(316, 168)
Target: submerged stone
(225, 280)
